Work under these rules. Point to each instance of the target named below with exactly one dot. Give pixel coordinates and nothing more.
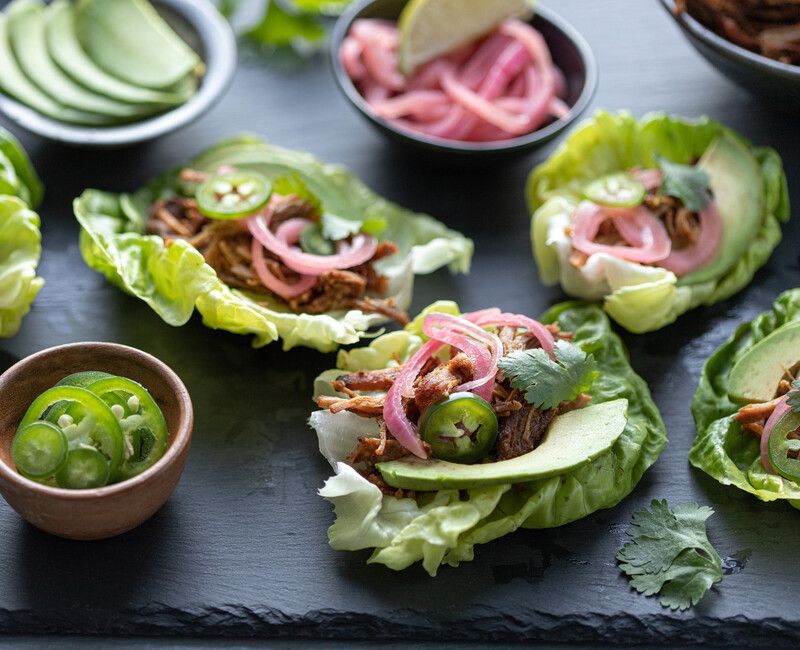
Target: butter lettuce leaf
(721, 448)
(20, 238)
(640, 298)
(443, 527)
(175, 280)
(20, 249)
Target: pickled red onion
(686, 260)
(285, 290)
(495, 318)
(463, 95)
(781, 408)
(362, 249)
(483, 347)
(443, 329)
(647, 236)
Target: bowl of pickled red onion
(507, 92)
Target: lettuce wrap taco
(20, 240)
(266, 241)
(655, 216)
(747, 406)
(460, 429)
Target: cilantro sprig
(689, 183)
(547, 382)
(670, 554)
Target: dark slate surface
(240, 549)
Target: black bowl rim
(220, 58)
(475, 148)
(723, 46)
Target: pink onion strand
(465, 94)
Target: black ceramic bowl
(763, 76)
(571, 53)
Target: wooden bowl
(102, 512)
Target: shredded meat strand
(442, 380)
(365, 406)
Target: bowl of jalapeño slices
(93, 438)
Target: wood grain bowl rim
(180, 438)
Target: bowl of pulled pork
(755, 43)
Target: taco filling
(429, 429)
(274, 251)
(655, 216)
(458, 407)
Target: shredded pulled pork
(225, 245)
(371, 451)
(442, 380)
(768, 27)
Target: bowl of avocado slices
(106, 73)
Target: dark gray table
(240, 549)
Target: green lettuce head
(443, 527)
(644, 298)
(721, 448)
(175, 280)
(20, 239)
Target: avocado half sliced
(755, 377)
(573, 439)
(738, 188)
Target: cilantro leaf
(793, 399)
(689, 183)
(335, 228)
(670, 554)
(312, 241)
(548, 383)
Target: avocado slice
(573, 439)
(67, 53)
(755, 377)
(131, 41)
(738, 188)
(27, 35)
(14, 82)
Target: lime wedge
(430, 28)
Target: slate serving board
(240, 549)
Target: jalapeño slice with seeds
(233, 195)
(618, 190)
(461, 428)
(143, 426)
(784, 446)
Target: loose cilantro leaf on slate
(548, 383)
(793, 399)
(689, 183)
(670, 554)
(335, 228)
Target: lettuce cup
(266, 241)
(462, 428)
(747, 406)
(20, 240)
(656, 216)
